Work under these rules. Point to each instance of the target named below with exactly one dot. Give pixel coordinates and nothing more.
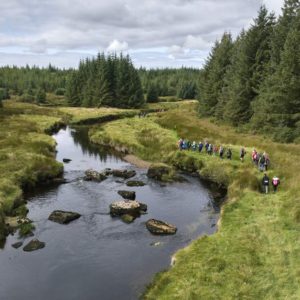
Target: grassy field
(256, 252)
(26, 152)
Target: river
(97, 256)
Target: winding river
(97, 256)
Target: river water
(97, 256)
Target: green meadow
(256, 252)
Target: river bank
(245, 258)
(115, 259)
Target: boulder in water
(162, 172)
(63, 217)
(120, 208)
(130, 195)
(160, 227)
(92, 175)
(135, 183)
(33, 245)
(143, 208)
(67, 160)
(126, 174)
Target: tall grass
(26, 152)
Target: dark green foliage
(40, 96)
(255, 80)
(19, 80)
(60, 92)
(180, 83)
(215, 69)
(152, 94)
(105, 80)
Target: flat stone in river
(63, 217)
(33, 245)
(126, 174)
(120, 208)
(160, 227)
(92, 175)
(135, 183)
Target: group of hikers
(210, 149)
(261, 160)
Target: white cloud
(116, 46)
(62, 26)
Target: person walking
(266, 183)
(261, 163)
(221, 152)
(242, 154)
(229, 154)
(200, 146)
(275, 183)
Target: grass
(26, 153)
(79, 115)
(256, 252)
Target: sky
(155, 33)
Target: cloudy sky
(156, 33)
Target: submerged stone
(127, 218)
(63, 217)
(130, 195)
(92, 175)
(33, 245)
(160, 227)
(135, 183)
(17, 245)
(67, 160)
(126, 174)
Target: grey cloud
(61, 25)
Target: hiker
(194, 146)
(254, 156)
(266, 183)
(229, 154)
(221, 152)
(267, 161)
(206, 146)
(242, 154)
(261, 163)
(200, 147)
(183, 144)
(215, 150)
(210, 149)
(275, 183)
(188, 145)
(180, 144)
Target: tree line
(104, 80)
(178, 83)
(31, 83)
(254, 80)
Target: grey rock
(126, 174)
(135, 183)
(17, 245)
(160, 227)
(63, 217)
(33, 245)
(92, 175)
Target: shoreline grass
(256, 252)
(27, 153)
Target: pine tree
(152, 94)
(215, 68)
(40, 96)
(278, 104)
(250, 59)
